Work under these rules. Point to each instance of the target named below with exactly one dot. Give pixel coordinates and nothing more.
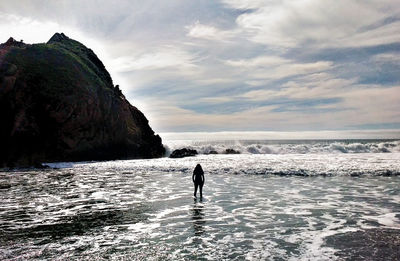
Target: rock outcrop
(58, 103)
(181, 153)
(231, 151)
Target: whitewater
(276, 200)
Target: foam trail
(252, 208)
(340, 164)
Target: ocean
(277, 200)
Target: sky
(236, 65)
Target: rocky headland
(59, 103)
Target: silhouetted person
(198, 179)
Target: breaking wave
(287, 147)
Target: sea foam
(287, 147)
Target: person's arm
(202, 175)
(193, 177)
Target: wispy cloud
(273, 67)
(259, 61)
(236, 64)
(387, 58)
(320, 24)
(202, 31)
(247, 4)
(164, 57)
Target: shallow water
(144, 209)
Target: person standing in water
(198, 179)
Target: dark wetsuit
(198, 179)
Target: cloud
(164, 57)
(322, 24)
(287, 70)
(246, 4)
(198, 30)
(235, 64)
(273, 68)
(385, 34)
(259, 61)
(216, 100)
(310, 87)
(362, 110)
(387, 58)
(26, 28)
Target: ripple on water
(143, 209)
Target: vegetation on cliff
(58, 103)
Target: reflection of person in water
(198, 179)
(198, 219)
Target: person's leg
(195, 189)
(201, 190)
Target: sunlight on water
(144, 210)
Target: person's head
(198, 167)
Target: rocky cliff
(58, 103)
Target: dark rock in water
(370, 244)
(213, 152)
(58, 103)
(181, 153)
(231, 151)
(388, 173)
(5, 185)
(40, 166)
